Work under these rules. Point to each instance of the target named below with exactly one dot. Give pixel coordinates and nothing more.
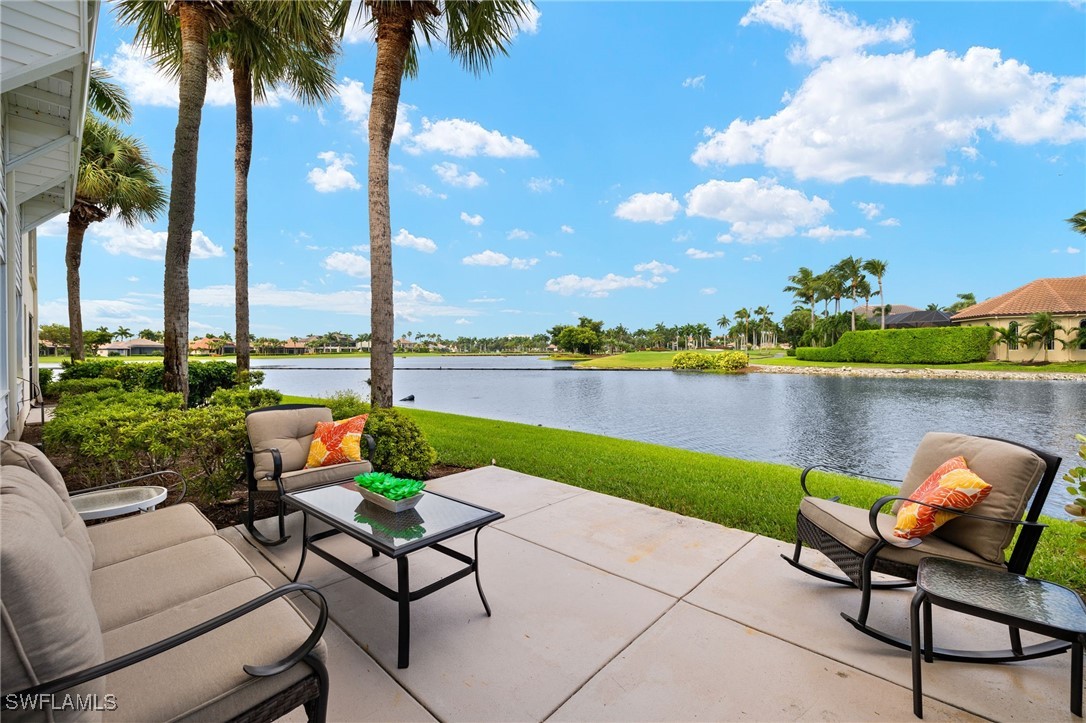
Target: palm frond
(116, 174)
(107, 98)
(478, 31)
(1078, 222)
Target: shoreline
(926, 373)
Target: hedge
(726, 360)
(936, 345)
(204, 377)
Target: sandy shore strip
(918, 373)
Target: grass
(759, 497)
(632, 360)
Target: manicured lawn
(989, 366)
(632, 360)
(755, 496)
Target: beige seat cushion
(203, 679)
(317, 476)
(133, 589)
(850, 526)
(17, 479)
(288, 430)
(1013, 472)
(49, 627)
(136, 535)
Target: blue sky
(635, 163)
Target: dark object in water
(408, 398)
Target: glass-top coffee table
(435, 518)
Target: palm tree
(474, 32)
(804, 287)
(964, 302)
(742, 323)
(850, 269)
(1007, 335)
(116, 176)
(178, 28)
(1078, 222)
(266, 44)
(1042, 330)
(122, 333)
(107, 99)
(877, 269)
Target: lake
(861, 423)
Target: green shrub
(791, 351)
(401, 447)
(346, 404)
(692, 360)
(731, 361)
(89, 369)
(937, 345)
(82, 386)
(204, 377)
(114, 434)
(45, 378)
(245, 399)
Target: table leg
(305, 544)
(478, 583)
(914, 635)
(929, 633)
(1076, 675)
(404, 599)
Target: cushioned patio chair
(861, 541)
(279, 441)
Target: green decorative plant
(402, 448)
(1077, 477)
(387, 485)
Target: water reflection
(868, 424)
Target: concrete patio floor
(605, 609)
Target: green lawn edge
(758, 497)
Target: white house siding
(35, 34)
(5, 426)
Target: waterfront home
(211, 345)
(1064, 298)
(132, 347)
(45, 60)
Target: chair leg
(1016, 640)
(317, 710)
(250, 525)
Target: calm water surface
(861, 423)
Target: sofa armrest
(180, 481)
(149, 651)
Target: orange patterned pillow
(953, 484)
(337, 442)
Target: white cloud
(1073, 250)
(334, 176)
(532, 23)
(654, 207)
(356, 102)
(890, 222)
(358, 30)
(450, 174)
(756, 210)
(486, 258)
(698, 81)
(518, 234)
(587, 286)
(699, 254)
(293, 118)
(462, 138)
(825, 233)
(133, 279)
(419, 243)
(567, 229)
(544, 185)
(461, 322)
(140, 241)
(657, 269)
(484, 300)
(129, 311)
(554, 254)
(475, 220)
(348, 263)
(870, 211)
(826, 32)
(752, 257)
(495, 258)
(144, 84)
(708, 291)
(426, 192)
(893, 118)
(320, 117)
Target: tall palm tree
(804, 287)
(475, 32)
(850, 269)
(171, 30)
(1042, 330)
(266, 44)
(877, 269)
(116, 176)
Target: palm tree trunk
(195, 27)
(73, 255)
(243, 154)
(882, 305)
(394, 32)
(854, 309)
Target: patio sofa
(146, 618)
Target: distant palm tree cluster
(847, 278)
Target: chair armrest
(873, 518)
(371, 444)
(277, 461)
(839, 470)
(161, 473)
(149, 651)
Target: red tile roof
(1058, 296)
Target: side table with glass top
(102, 504)
(1021, 603)
(434, 519)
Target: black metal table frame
(923, 600)
(403, 595)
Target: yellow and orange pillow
(952, 484)
(337, 442)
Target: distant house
(1064, 298)
(206, 346)
(872, 311)
(132, 347)
(49, 348)
(295, 346)
(919, 319)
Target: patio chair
(861, 541)
(279, 441)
